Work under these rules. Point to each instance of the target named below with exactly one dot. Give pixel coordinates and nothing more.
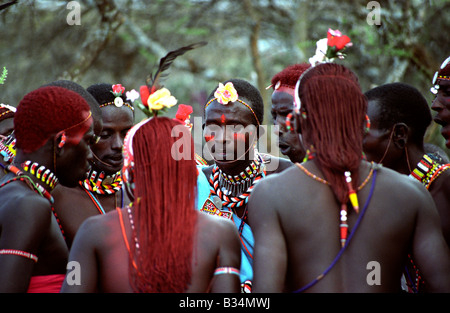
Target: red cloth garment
(46, 283)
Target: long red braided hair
(165, 183)
(335, 110)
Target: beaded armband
(20, 253)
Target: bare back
(100, 249)
(297, 234)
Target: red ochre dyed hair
(45, 112)
(290, 75)
(335, 116)
(165, 217)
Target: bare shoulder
(275, 182)
(99, 228)
(26, 206)
(399, 184)
(275, 164)
(215, 225)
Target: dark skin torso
(32, 218)
(103, 256)
(73, 206)
(297, 234)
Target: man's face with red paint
(230, 131)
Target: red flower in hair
(336, 39)
(145, 93)
(118, 90)
(183, 112)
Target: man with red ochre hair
(283, 84)
(338, 222)
(53, 129)
(159, 243)
(100, 191)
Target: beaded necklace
(428, 170)
(231, 189)
(343, 226)
(237, 184)
(98, 183)
(102, 184)
(41, 173)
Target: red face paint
(223, 119)
(209, 137)
(241, 136)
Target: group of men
(316, 222)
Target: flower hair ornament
(327, 49)
(154, 96)
(184, 114)
(225, 94)
(118, 91)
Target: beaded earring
(63, 140)
(367, 128)
(289, 123)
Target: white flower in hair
(321, 50)
(132, 95)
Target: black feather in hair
(153, 81)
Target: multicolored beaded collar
(101, 183)
(428, 170)
(234, 191)
(41, 173)
(225, 94)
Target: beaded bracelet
(226, 270)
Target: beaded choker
(237, 184)
(234, 191)
(41, 172)
(101, 183)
